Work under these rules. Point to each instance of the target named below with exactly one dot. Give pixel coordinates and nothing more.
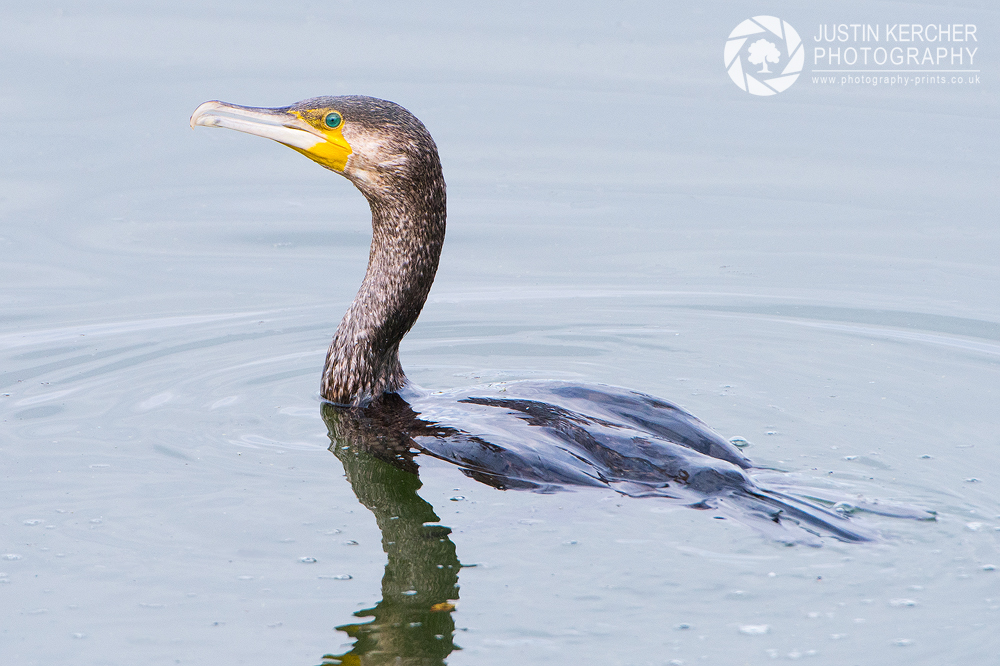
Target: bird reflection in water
(413, 623)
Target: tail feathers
(785, 518)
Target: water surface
(814, 272)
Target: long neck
(407, 234)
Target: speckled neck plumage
(406, 193)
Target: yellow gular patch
(333, 152)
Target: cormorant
(536, 435)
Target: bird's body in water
(538, 435)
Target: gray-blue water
(815, 272)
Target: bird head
(374, 143)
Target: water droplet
(972, 480)
(926, 457)
(989, 567)
(754, 629)
(850, 457)
(409, 593)
(457, 498)
(308, 560)
(739, 442)
(683, 625)
(337, 577)
(352, 542)
(771, 432)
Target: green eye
(333, 120)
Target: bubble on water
(974, 527)
(989, 567)
(845, 508)
(850, 457)
(99, 466)
(972, 479)
(926, 457)
(78, 635)
(903, 642)
(676, 662)
(739, 442)
(900, 603)
(33, 521)
(837, 637)
(97, 521)
(409, 593)
(755, 629)
(352, 542)
(11, 556)
(457, 498)
(308, 560)
(337, 577)
(683, 625)
(245, 577)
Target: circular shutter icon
(764, 55)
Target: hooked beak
(278, 124)
(283, 125)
